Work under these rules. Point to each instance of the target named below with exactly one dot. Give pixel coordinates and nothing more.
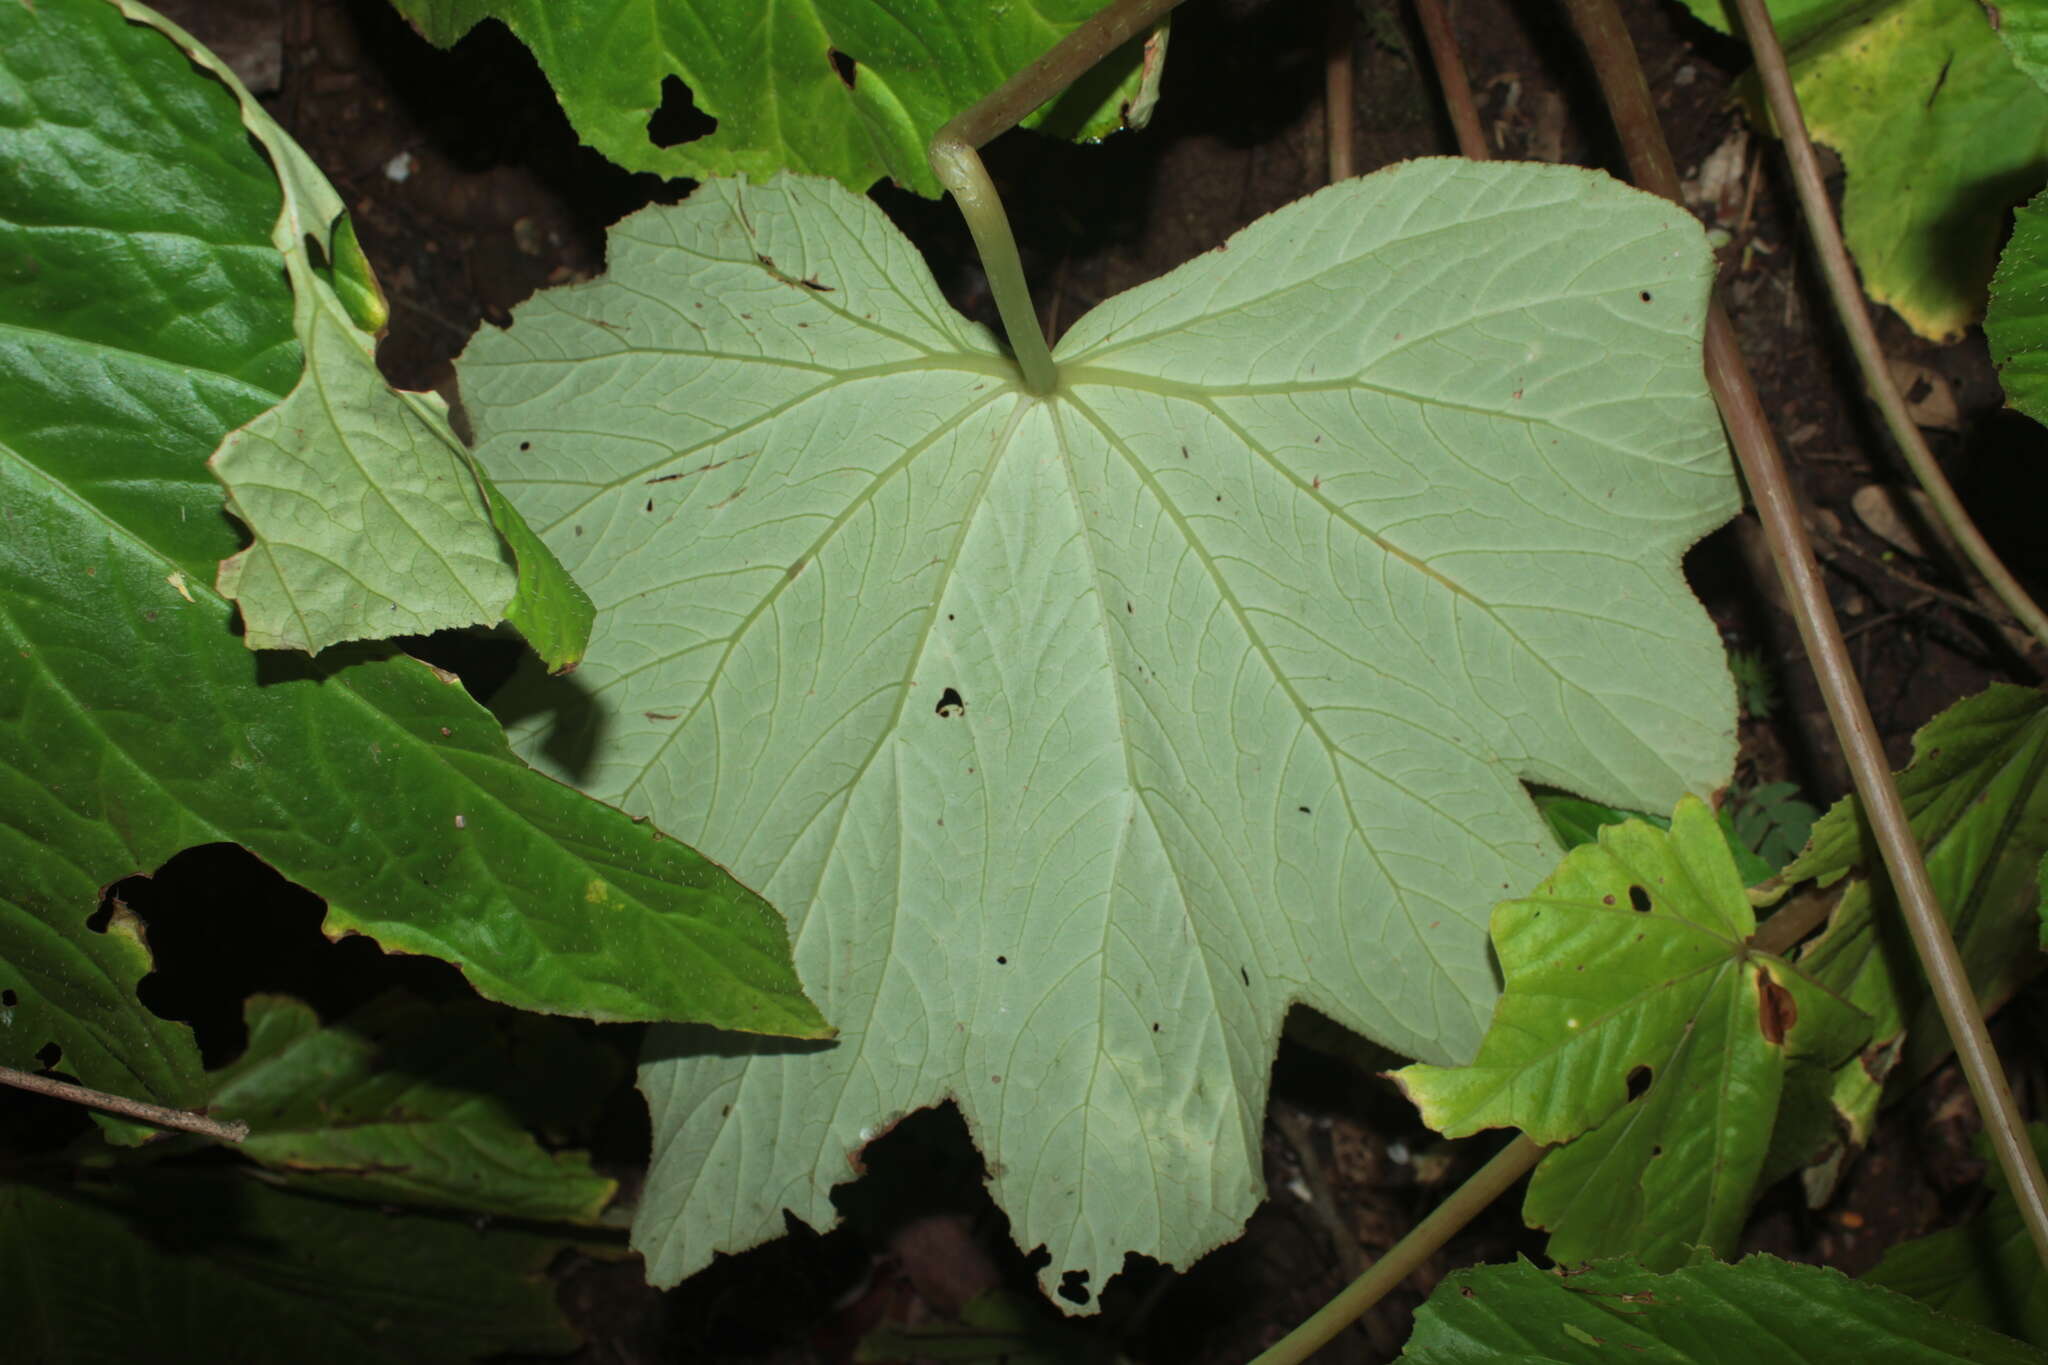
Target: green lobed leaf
(2016, 324)
(176, 338)
(1082, 736)
(1940, 135)
(367, 517)
(1576, 821)
(1976, 794)
(1771, 824)
(2023, 28)
(133, 723)
(1639, 1028)
(1984, 1270)
(426, 1105)
(209, 1266)
(1760, 1309)
(851, 89)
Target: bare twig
(1487, 1184)
(1855, 315)
(1628, 99)
(1451, 79)
(183, 1119)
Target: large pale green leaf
(368, 521)
(210, 1267)
(852, 89)
(1084, 735)
(1639, 1029)
(1761, 1309)
(142, 316)
(1940, 135)
(410, 1103)
(1977, 795)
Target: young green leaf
(199, 1266)
(1083, 735)
(852, 89)
(367, 517)
(135, 723)
(1977, 795)
(1760, 1309)
(1638, 1027)
(1939, 132)
(427, 1105)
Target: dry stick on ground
(1628, 99)
(183, 1119)
(1855, 315)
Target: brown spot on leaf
(1776, 1010)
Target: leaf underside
(1080, 737)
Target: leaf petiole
(956, 159)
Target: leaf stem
(1485, 1185)
(182, 1119)
(1627, 93)
(956, 159)
(1855, 315)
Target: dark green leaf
(1761, 1310)
(217, 1269)
(134, 724)
(430, 1105)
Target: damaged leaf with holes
(1638, 1028)
(1083, 735)
(851, 89)
(134, 723)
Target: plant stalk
(955, 158)
(1338, 90)
(1485, 1185)
(1451, 79)
(1855, 315)
(1627, 93)
(182, 1119)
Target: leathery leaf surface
(1080, 736)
